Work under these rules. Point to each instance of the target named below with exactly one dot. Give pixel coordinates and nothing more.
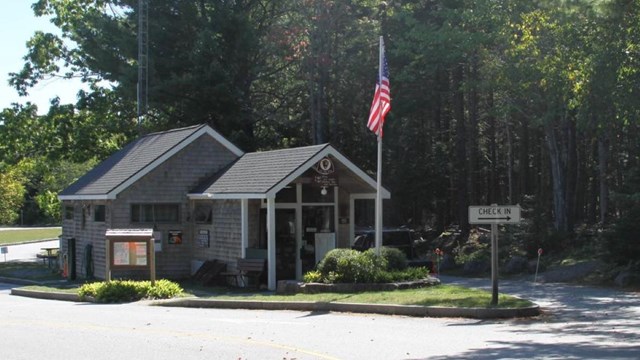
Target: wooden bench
(250, 268)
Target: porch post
(244, 223)
(271, 242)
(352, 219)
(298, 230)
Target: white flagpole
(379, 177)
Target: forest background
(524, 102)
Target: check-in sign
(497, 214)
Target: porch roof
(263, 174)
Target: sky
(17, 25)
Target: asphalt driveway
(610, 318)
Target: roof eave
(226, 196)
(84, 197)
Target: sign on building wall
(203, 238)
(157, 240)
(326, 173)
(175, 237)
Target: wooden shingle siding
(225, 233)
(169, 183)
(90, 233)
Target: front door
(319, 234)
(285, 244)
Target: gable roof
(263, 174)
(136, 159)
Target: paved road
(27, 252)
(579, 323)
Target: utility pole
(143, 60)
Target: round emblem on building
(325, 166)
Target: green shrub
(163, 289)
(312, 276)
(89, 289)
(129, 290)
(474, 253)
(348, 266)
(396, 259)
(355, 267)
(408, 274)
(330, 261)
(351, 266)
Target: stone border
(294, 287)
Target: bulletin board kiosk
(130, 249)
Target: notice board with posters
(130, 249)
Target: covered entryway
(295, 203)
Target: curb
(383, 309)
(46, 295)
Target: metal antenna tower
(143, 60)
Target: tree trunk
(474, 150)
(603, 160)
(572, 173)
(461, 149)
(509, 163)
(492, 185)
(558, 176)
(524, 182)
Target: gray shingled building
(205, 199)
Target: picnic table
(51, 255)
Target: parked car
(400, 238)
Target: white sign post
(494, 215)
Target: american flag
(382, 98)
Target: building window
(68, 212)
(155, 213)
(202, 214)
(99, 213)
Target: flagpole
(379, 175)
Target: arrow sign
(494, 214)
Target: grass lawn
(27, 235)
(35, 271)
(440, 295)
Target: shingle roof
(259, 172)
(136, 158)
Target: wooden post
(271, 243)
(244, 225)
(152, 260)
(494, 263)
(107, 262)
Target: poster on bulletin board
(175, 237)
